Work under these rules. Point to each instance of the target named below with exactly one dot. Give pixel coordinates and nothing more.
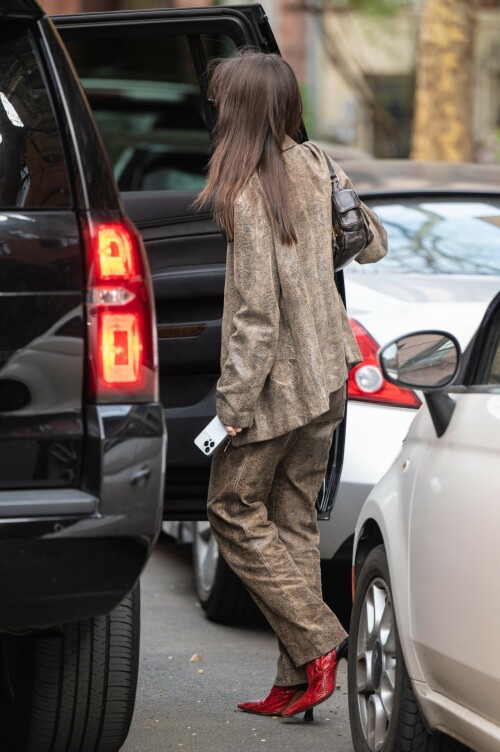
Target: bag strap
(333, 175)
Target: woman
(286, 350)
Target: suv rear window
(32, 167)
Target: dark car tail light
(366, 381)
(120, 315)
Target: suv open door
(145, 75)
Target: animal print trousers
(261, 506)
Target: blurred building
(376, 58)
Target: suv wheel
(72, 690)
(384, 713)
(221, 593)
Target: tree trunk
(444, 98)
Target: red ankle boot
(277, 700)
(321, 674)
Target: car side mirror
(429, 361)
(426, 360)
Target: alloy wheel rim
(376, 664)
(207, 556)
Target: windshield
(438, 236)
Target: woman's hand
(232, 431)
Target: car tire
(221, 593)
(383, 710)
(71, 690)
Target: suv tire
(383, 710)
(72, 690)
(221, 593)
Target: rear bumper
(78, 554)
(47, 580)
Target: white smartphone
(211, 436)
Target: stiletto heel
(342, 649)
(309, 715)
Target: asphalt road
(189, 706)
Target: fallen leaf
(195, 658)
(201, 671)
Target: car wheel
(383, 710)
(73, 689)
(221, 593)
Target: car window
(217, 45)
(438, 236)
(489, 362)
(33, 171)
(146, 98)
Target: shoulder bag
(351, 231)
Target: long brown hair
(258, 103)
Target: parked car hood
(389, 305)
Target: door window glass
(217, 45)
(32, 166)
(146, 99)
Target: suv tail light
(120, 315)
(366, 381)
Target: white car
(424, 664)
(442, 270)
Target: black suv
(82, 436)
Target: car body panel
(437, 513)
(40, 285)
(453, 574)
(396, 483)
(72, 557)
(455, 688)
(365, 458)
(445, 714)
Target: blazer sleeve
(252, 346)
(377, 249)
